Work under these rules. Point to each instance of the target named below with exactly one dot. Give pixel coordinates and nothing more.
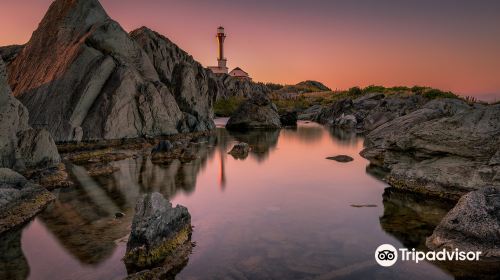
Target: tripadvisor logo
(387, 255)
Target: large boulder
(447, 148)
(159, 231)
(369, 111)
(472, 225)
(234, 87)
(21, 146)
(84, 78)
(257, 112)
(20, 200)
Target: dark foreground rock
(446, 148)
(21, 146)
(161, 236)
(20, 200)
(341, 158)
(289, 119)
(240, 150)
(257, 112)
(472, 225)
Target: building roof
(238, 68)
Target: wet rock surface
(472, 225)
(20, 200)
(257, 112)
(159, 231)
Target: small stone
(341, 158)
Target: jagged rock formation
(369, 111)
(257, 112)
(21, 146)
(233, 87)
(158, 232)
(240, 151)
(447, 148)
(194, 87)
(20, 200)
(83, 77)
(472, 225)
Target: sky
(448, 44)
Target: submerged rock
(159, 232)
(21, 146)
(240, 150)
(20, 200)
(257, 112)
(341, 158)
(472, 225)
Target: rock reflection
(262, 142)
(13, 264)
(411, 218)
(345, 137)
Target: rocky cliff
(21, 146)
(83, 77)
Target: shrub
(226, 107)
(436, 93)
(355, 91)
(373, 88)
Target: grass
(226, 107)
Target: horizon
(340, 44)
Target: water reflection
(282, 213)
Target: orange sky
(451, 44)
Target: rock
(9, 53)
(472, 225)
(234, 87)
(341, 158)
(158, 230)
(240, 150)
(310, 113)
(289, 119)
(443, 149)
(257, 112)
(368, 111)
(163, 147)
(20, 200)
(96, 81)
(119, 215)
(21, 146)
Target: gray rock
(9, 53)
(20, 200)
(21, 146)
(95, 81)
(368, 111)
(240, 150)
(163, 147)
(158, 230)
(447, 148)
(233, 87)
(257, 112)
(472, 225)
(341, 158)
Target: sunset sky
(449, 44)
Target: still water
(285, 212)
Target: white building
(240, 74)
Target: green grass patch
(226, 107)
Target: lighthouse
(221, 36)
(221, 67)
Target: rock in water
(446, 148)
(341, 158)
(20, 200)
(257, 112)
(159, 232)
(240, 150)
(84, 78)
(21, 146)
(472, 225)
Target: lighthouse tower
(221, 67)
(221, 36)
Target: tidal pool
(285, 212)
